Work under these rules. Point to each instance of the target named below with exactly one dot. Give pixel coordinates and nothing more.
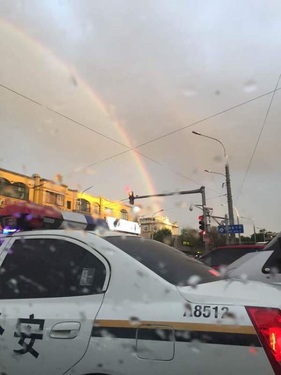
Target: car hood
(233, 292)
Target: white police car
(100, 302)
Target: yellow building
(16, 187)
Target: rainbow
(13, 30)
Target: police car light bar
(30, 216)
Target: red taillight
(267, 322)
(214, 272)
(275, 341)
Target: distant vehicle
(265, 265)
(225, 255)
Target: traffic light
(131, 197)
(201, 222)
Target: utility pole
(227, 181)
(229, 197)
(206, 236)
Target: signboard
(235, 228)
(123, 225)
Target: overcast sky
(85, 82)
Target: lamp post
(254, 227)
(227, 180)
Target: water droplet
(52, 249)
(194, 280)
(190, 92)
(73, 80)
(54, 132)
(196, 346)
(222, 270)
(230, 318)
(187, 309)
(252, 350)
(134, 321)
(83, 317)
(250, 86)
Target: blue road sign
(236, 228)
(221, 229)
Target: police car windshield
(172, 265)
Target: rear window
(225, 256)
(172, 265)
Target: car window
(41, 268)
(165, 261)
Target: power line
(259, 137)
(134, 149)
(92, 130)
(150, 141)
(64, 116)
(178, 130)
(206, 118)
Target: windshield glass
(161, 118)
(174, 266)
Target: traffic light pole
(201, 191)
(229, 199)
(196, 191)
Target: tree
(165, 236)
(190, 237)
(216, 239)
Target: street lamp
(209, 171)
(254, 227)
(157, 212)
(227, 180)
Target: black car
(225, 255)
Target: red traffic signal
(201, 222)
(131, 197)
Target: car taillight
(267, 322)
(214, 272)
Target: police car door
(51, 288)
